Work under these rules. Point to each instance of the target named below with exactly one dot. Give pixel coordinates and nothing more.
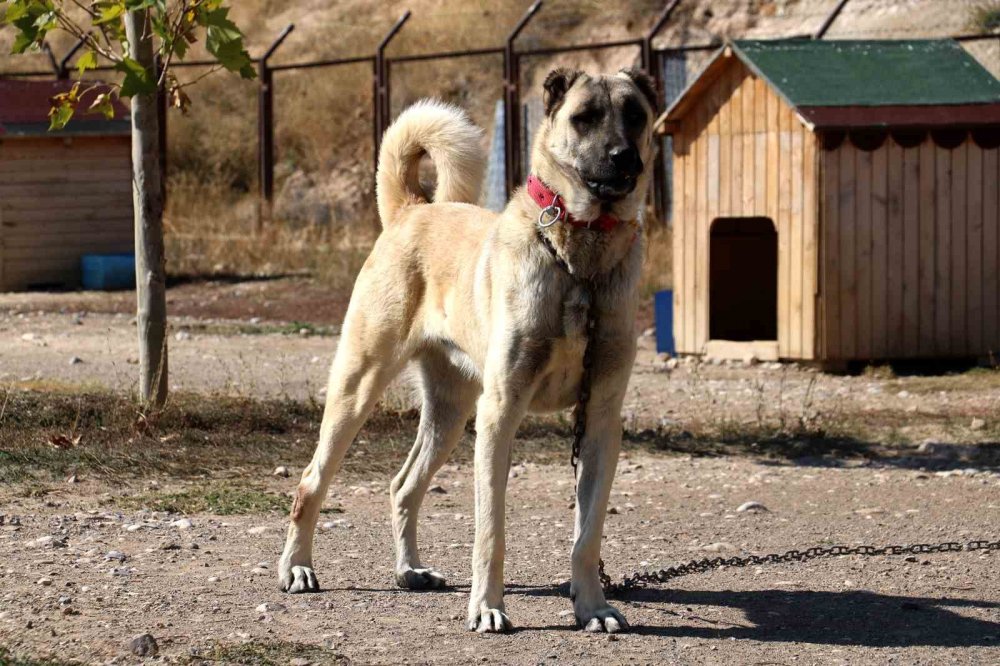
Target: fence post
(62, 69)
(382, 110)
(512, 103)
(651, 64)
(830, 18)
(265, 129)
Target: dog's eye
(633, 114)
(586, 117)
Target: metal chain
(641, 579)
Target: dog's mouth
(610, 189)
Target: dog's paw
(606, 619)
(489, 621)
(419, 579)
(296, 579)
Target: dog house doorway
(743, 279)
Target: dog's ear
(556, 85)
(644, 82)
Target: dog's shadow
(852, 617)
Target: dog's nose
(625, 158)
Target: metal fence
(671, 68)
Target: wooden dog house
(62, 194)
(837, 201)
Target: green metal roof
(870, 72)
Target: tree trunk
(147, 196)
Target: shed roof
(809, 72)
(851, 83)
(24, 111)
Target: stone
(613, 510)
(281, 471)
(116, 555)
(44, 582)
(144, 646)
(439, 490)
(718, 547)
(75, 360)
(182, 524)
(977, 424)
(751, 506)
(180, 336)
(260, 529)
(270, 607)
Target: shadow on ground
(855, 618)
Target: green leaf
(102, 104)
(110, 13)
(60, 114)
(137, 81)
(87, 61)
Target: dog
(493, 311)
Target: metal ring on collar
(553, 210)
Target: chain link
(641, 579)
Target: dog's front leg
(499, 412)
(596, 470)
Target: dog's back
(454, 144)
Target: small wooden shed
(62, 194)
(837, 201)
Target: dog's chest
(558, 379)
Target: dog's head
(597, 134)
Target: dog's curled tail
(446, 134)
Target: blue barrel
(107, 272)
(663, 316)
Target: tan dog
(492, 310)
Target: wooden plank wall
(742, 152)
(911, 252)
(61, 199)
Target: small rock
(281, 470)
(44, 582)
(750, 359)
(257, 571)
(260, 529)
(927, 446)
(718, 547)
(144, 646)
(977, 424)
(438, 490)
(75, 360)
(213, 579)
(72, 479)
(182, 524)
(751, 506)
(566, 613)
(270, 607)
(613, 510)
(116, 555)
(180, 336)
(133, 528)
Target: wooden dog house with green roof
(837, 201)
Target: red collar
(549, 201)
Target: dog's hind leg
(368, 358)
(449, 398)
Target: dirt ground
(876, 458)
